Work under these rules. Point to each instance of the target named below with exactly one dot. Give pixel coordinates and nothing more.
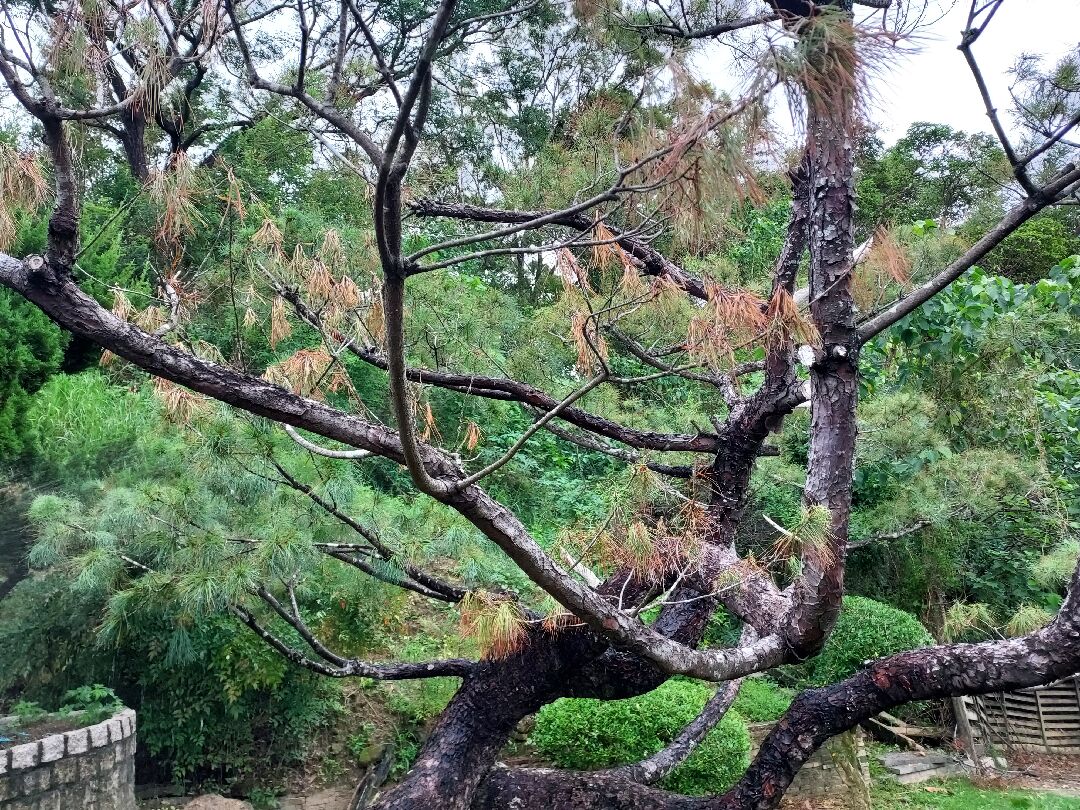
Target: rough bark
(834, 374)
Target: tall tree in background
(384, 89)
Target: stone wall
(838, 770)
(91, 768)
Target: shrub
(221, 702)
(213, 699)
(762, 701)
(587, 734)
(32, 348)
(1031, 250)
(864, 631)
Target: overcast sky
(934, 83)
(928, 80)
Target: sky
(928, 79)
(934, 83)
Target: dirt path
(1057, 774)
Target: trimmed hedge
(586, 734)
(865, 630)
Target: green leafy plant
(406, 749)
(587, 734)
(264, 798)
(359, 740)
(27, 712)
(865, 630)
(330, 770)
(96, 703)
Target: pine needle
(962, 618)
(590, 344)
(1027, 619)
(181, 405)
(473, 435)
(494, 622)
(306, 371)
(269, 237)
(812, 535)
(320, 284)
(280, 328)
(121, 307)
(573, 277)
(786, 324)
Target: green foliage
(406, 749)
(358, 742)
(228, 704)
(959, 794)
(47, 639)
(213, 700)
(80, 427)
(262, 798)
(973, 412)
(864, 631)
(1027, 254)
(761, 701)
(588, 734)
(84, 705)
(96, 702)
(28, 712)
(933, 172)
(32, 348)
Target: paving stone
(99, 735)
(52, 748)
(24, 756)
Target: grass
(959, 794)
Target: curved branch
(508, 390)
(712, 30)
(354, 668)
(428, 585)
(815, 716)
(653, 263)
(326, 452)
(663, 762)
(61, 299)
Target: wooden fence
(1043, 719)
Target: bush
(864, 631)
(96, 702)
(587, 734)
(221, 703)
(1031, 250)
(214, 701)
(762, 701)
(47, 640)
(32, 348)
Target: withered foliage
(310, 373)
(494, 622)
(885, 265)
(22, 185)
(180, 404)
